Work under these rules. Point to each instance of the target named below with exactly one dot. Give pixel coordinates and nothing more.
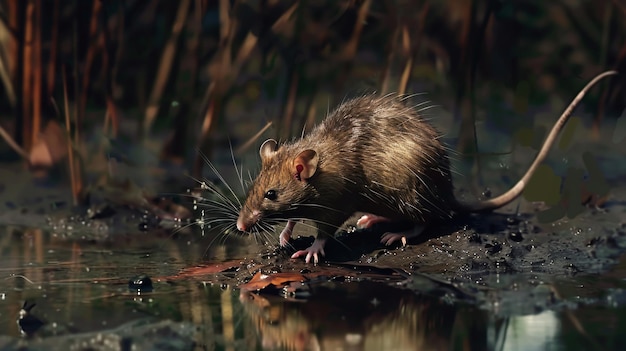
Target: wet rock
(519, 251)
(475, 238)
(516, 236)
(493, 247)
(28, 323)
(140, 283)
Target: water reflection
(543, 327)
(373, 316)
(365, 316)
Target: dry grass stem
(165, 66)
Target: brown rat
(373, 155)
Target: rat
(371, 155)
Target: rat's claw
(390, 238)
(312, 251)
(284, 237)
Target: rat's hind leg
(368, 220)
(404, 236)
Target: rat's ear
(268, 148)
(305, 164)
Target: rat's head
(281, 186)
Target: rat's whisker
(221, 178)
(297, 205)
(238, 171)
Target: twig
(27, 77)
(290, 105)
(222, 71)
(6, 77)
(96, 42)
(347, 55)
(9, 140)
(386, 78)
(111, 116)
(5, 21)
(70, 153)
(5, 63)
(412, 49)
(78, 120)
(621, 57)
(406, 73)
(37, 74)
(165, 66)
(54, 42)
(350, 48)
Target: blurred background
(161, 83)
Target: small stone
(516, 236)
(140, 283)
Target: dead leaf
(278, 280)
(194, 272)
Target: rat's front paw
(285, 234)
(312, 251)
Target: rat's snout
(241, 225)
(247, 220)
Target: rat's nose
(240, 225)
(245, 221)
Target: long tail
(515, 191)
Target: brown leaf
(278, 280)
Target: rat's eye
(270, 195)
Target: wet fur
(405, 177)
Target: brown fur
(372, 158)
